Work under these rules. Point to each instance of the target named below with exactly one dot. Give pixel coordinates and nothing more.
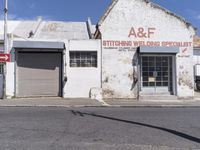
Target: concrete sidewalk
(86, 102)
(57, 102)
(154, 103)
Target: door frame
(174, 83)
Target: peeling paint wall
(118, 67)
(118, 77)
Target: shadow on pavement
(177, 133)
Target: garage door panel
(39, 74)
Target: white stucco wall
(11, 26)
(117, 62)
(10, 81)
(81, 80)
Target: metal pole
(5, 27)
(5, 45)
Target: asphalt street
(57, 128)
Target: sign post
(5, 56)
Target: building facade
(137, 48)
(48, 58)
(149, 49)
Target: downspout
(33, 32)
(138, 74)
(101, 63)
(89, 26)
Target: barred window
(83, 59)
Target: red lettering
(151, 31)
(141, 32)
(132, 33)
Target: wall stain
(125, 61)
(53, 27)
(184, 79)
(108, 93)
(106, 80)
(130, 76)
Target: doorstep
(159, 98)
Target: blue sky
(79, 10)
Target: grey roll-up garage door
(39, 74)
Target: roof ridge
(114, 2)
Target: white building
(52, 59)
(137, 48)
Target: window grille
(83, 59)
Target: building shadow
(171, 131)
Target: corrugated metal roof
(63, 30)
(48, 29)
(24, 28)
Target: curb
(106, 106)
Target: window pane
(158, 78)
(165, 68)
(145, 83)
(145, 79)
(165, 59)
(158, 68)
(158, 63)
(145, 64)
(151, 64)
(145, 74)
(145, 68)
(165, 83)
(158, 84)
(145, 59)
(151, 74)
(151, 83)
(151, 68)
(151, 59)
(165, 79)
(158, 58)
